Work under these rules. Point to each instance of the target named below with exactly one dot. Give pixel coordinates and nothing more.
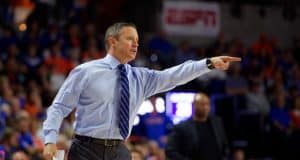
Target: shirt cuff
(202, 65)
(51, 137)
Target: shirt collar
(112, 61)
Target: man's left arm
(161, 81)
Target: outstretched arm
(160, 81)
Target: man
(201, 137)
(107, 93)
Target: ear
(112, 41)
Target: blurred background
(258, 99)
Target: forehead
(129, 31)
(200, 98)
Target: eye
(131, 38)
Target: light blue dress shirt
(93, 89)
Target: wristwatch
(209, 64)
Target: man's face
(126, 44)
(201, 106)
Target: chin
(129, 59)
(132, 56)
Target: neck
(200, 119)
(120, 59)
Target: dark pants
(82, 150)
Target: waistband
(105, 142)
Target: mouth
(133, 50)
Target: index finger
(232, 59)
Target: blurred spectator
(286, 61)
(7, 38)
(59, 66)
(295, 114)
(155, 153)
(156, 125)
(276, 86)
(92, 52)
(136, 154)
(236, 84)
(42, 78)
(162, 47)
(73, 36)
(33, 104)
(279, 115)
(91, 35)
(2, 154)
(270, 68)
(252, 68)
(20, 156)
(257, 102)
(294, 79)
(35, 130)
(143, 147)
(5, 113)
(236, 47)
(12, 52)
(9, 142)
(74, 56)
(32, 60)
(5, 91)
(15, 105)
(219, 46)
(294, 139)
(14, 69)
(25, 139)
(201, 137)
(281, 127)
(254, 118)
(236, 87)
(184, 53)
(50, 36)
(238, 154)
(262, 46)
(277, 50)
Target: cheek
(207, 108)
(123, 46)
(128, 45)
(199, 110)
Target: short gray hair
(114, 31)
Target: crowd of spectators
(258, 99)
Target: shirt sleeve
(161, 81)
(65, 101)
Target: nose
(135, 43)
